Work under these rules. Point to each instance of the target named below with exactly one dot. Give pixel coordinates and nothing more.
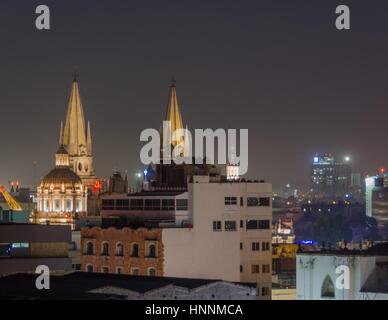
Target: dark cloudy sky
(278, 68)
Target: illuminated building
(77, 140)
(61, 195)
(283, 231)
(329, 178)
(376, 198)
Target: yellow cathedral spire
(74, 134)
(174, 114)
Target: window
(105, 249)
(119, 270)
(89, 268)
(119, 249)
(152, 204)
(265, 246)
(230, 201)
(78, 206)
(265, 268)
(168, 204)
(136, 204)
(258, 202)
(105, 270)
(135, 271)
(255, 246)
(69, 205)
(241, 268)
(241, 201)
(230, 226)
(181, 204)
(217, 226)
(263, 224)
(151, 251)
(241, 246)
(57, 205)
(122, 204)
(255, 268)
(18, 245)
(89, 249)
(151, 272)
(265, 291)
(327, 290)
(134, 250)
(241, 223)
(108, 204)
(257, 224)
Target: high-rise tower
(77, 140)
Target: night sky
(278, 68)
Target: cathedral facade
(62, 195)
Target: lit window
(230, 226)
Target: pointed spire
(173, 112)
(89, 140)
(61, 135)
(74, 137)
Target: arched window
(134, 250)
(151, 272)
(89, 248)
(119, 249)
(105, 249)
(89, 268)
(327, 290)
(152, 251)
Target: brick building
(122, 251)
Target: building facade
(318, 274)
(329, 178)
(122, 251)
(61, 195)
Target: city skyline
(125, 67)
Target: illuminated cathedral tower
(77, 139)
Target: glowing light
(145, 172)
(347, 158)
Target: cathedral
(62, 194)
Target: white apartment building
(229, 237)
(316, 277)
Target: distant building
(376, 198)
(368, 277)
(283, 231)
(25, 246)
(329, 178)
(97, 286)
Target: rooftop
(78, 285)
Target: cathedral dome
(61, 176)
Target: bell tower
(76, 138)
